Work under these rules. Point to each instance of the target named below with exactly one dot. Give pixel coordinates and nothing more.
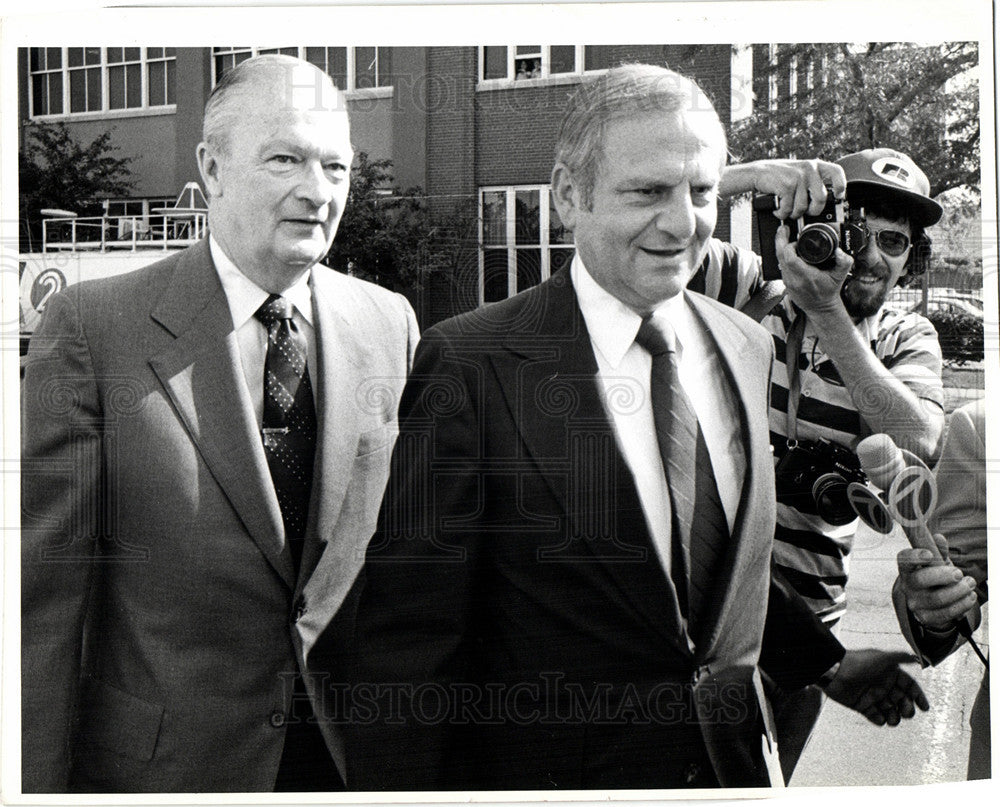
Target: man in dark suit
(570, 578)
(205, 444)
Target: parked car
(939, 301)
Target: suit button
(277, 719)
(691, 773)
(298, 609)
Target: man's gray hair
(620, 93)
(219, 113)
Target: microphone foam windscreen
(880, 459)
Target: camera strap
(793, 347)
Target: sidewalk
(963, 384)
(933, 747)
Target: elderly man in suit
(205, 444)
(569, 582)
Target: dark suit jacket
(515, 628)
(162, 621)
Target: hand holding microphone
(937, 592)
(910, 489)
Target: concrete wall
(193, 85)
(371, 125)
(409, 116)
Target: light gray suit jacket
(162, 621)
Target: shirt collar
(612, 324)
(245, 296)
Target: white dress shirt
(624, 369)
(245, 297)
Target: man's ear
(566, 195)
(208, 166)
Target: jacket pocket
(119, 722)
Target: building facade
(474, 127)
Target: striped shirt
(813, 554)
(728, 274)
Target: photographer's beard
(866, 288)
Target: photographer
(862, 368)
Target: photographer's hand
(883, 401)
(815, 291)
(799, 185)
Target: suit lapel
(548, 375)
(743, 370)
(202, 374)
(340, 391)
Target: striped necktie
(698, 522)
(289, 423)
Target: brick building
(473, 126)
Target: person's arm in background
(931, 597)
(734, 275)
(800, 185)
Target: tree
(386, 234)
(57, 172)
(922, 100)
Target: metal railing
(167, 230)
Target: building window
(46, 66)
(136, 207)
(350, 68)
(372, 68)
(523, 62)
(599, 57)
(124, 78)
(225, 59)
(67, 81)
(523, 241)
(84, 79)
(332, 61)
(160, 66)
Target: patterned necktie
(698, 522)
(289, 422)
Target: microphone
(910, 488)
(911, 495)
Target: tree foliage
(386, 234)
(960, 336)
(922, 100)
(57, 172)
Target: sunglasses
(892, 242)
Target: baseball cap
(891, 174)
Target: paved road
(933, 747)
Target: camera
(816, 237)
(813, 476)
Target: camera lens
(829, 492)
(817, 243)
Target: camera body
(816, 237)
(813, 475)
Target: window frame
(351, 88)
(547, 77)
(48, 72)
(169, 60)
(510, 246)
(123, 65)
